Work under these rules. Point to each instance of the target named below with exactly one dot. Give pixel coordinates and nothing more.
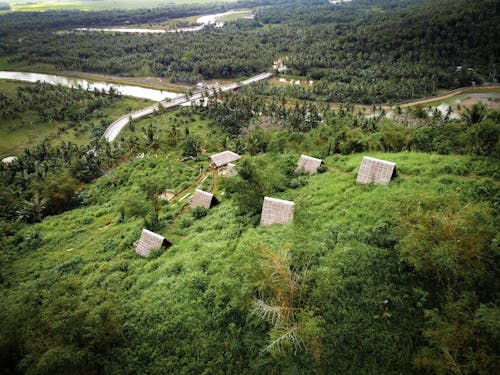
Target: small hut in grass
(9, 159)
(276, 211)
(148, 241)
(308, 164)
(229, 170)
(375, 171)
(223, 158)
(202, 198)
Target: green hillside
(384, 265)
(400, 278)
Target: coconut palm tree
(32, 211)
(151, 137)
(294, 327)
(475, 114)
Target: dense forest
(57, 102)
(367, 279)
(363, 52)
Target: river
(202, 21)
(135, 91)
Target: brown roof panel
(308, 164)
(375, 171)
(201, 198)
(223, 158)
(276, 211)
(148, 241)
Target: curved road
(449, 94)
(118, 125)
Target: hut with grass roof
(149, 241)
(223, 158)
(9, 159)
(308, 164)
(375, 171)
(276, 211)
(229, 170)
(202, 198)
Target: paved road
(117, 126)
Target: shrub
(199, 212)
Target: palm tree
(293, 325)
(32, 211)
(475, 114)
(151, 137)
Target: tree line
(401, 50)
(55, 102)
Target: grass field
(40, 6)
(28, 130)
(183, 119)
(338, 231)
(5, 64)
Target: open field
(40, 6)
(5, 64)
(17, 134)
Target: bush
(298, 182)
(322, 168)
(133, 205)
(199, 212)
(151, 221)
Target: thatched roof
(308, 164)
(276, 211)
(9, 159)
(201, 198)
(148, 241)
(375, 171)
(223, 158)
(229, 170)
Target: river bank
(71, 81)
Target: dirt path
(213, 187)
(450, 94)
(185, 191)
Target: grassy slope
(213, 259)
(163, 122)
(15, 135)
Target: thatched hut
(229, 170)
(148, 241)
(276, 211)
(202, 198)
(9, 159)
(308, 164)
(375, 171)
(223, 158)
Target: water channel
(135, 91)
(202, 21)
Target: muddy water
(135, 91)
(209, 19)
